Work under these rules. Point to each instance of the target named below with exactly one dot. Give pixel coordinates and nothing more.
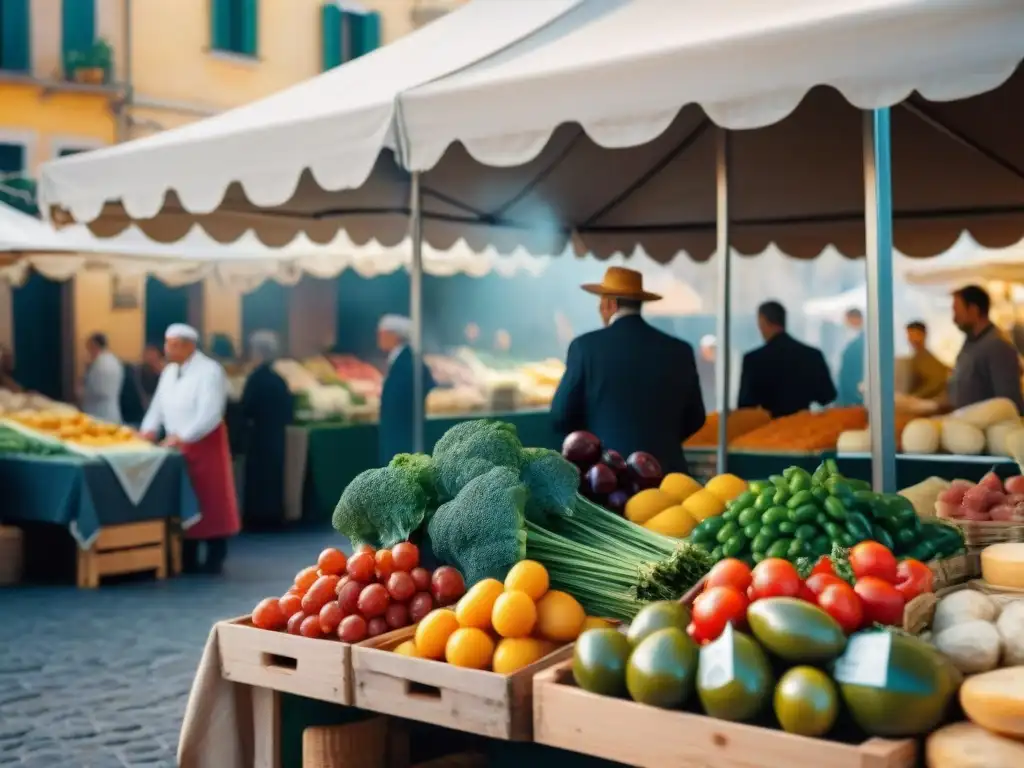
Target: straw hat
(622, 283)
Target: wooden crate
(567, 717)
(469, 700)
(314, 668)
(127, 548)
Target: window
(65, 151)
(14, 36)
(16, 190)
(234, 26)
(78, 29)
(347, 35)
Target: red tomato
(348, 596)
(352, 629)
(716, 607)
(728, 573)
(373, 601)
(376, 626)
(882, 603)
(268, 614)
(385, 564)
(839, 601)
(364, 548)
(420, 605)
(447, 585)
(330, 617)
(869, 558)
(406, 556)
(913, 578)
(824, 565)
(295, 622)
(290, 604)
(397, 616)
(332, 561)
(774, 577)
(691, 630)
(807, 595)
(401, 586)
(818, 581)
(361, 566)
(422, 578)
(304, 579)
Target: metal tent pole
(416, 308)
(724, 346)
(880, 350)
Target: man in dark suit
(634, 387)
(783, 376)
(395, 433)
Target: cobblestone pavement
(99, 679)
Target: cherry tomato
(401, 586)
(304, 579)
(361, 566)
(882, 603)
(807, 595)
(775, 577)
(330, 617)
(397, 616)
(695, 635)
(290, 604)
(322, 592)
(869, 558)
(364, 548)
(421, 576)
(447, 585)
(913, 578)
(728, 573)
(716, 607)
(268, 614)
(373, 600)
(816, 582)
(421, 604)
(332, 561)
(352, 629)
(406, 556)
(839, 601)
(376, 626)
(385, 564)
(824, 565)
(295, 622)
(348, 596)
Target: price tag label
(717, 660)
(865, 661)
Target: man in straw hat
(188, 406)
(395, 432)
(633, 386)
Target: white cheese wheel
(962, 606)
(854, 441)
(961, 438)
(965, 745)
(972, 646)
(1011, 632)
(988, 412)
(995, 700)
(1002, 565)
(920, 436)
(996, 436)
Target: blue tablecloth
(84, 494)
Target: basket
(979, 534)
(356, 745)
(11, 555)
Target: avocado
(894, 685)
(734, 679)
(599, 661)
(806, 702)
(660, 615)
(795, 630)
(661, 669)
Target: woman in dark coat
(267, 407)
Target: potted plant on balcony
(93, 66)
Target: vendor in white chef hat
(188, 407)
(396, 430)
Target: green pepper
(835, 509)
(879, 534)
(806, 532)
(780, 548)
(819, 493)
(923, 551)
(771, 530)
(756, 488)
(799, 480)
(797, 549)
(832, 468)
(821, 518)
(781, 497)
(778, 481)
(751, 531)
(757, 557)
(837, 486)
(905, 539)
(858, 485)
(716, 553)
(799, 499)
(744, 500)
(834, 530)
(731, 515)
(808, 513)
(775, 515)
(822, 545)
(729, 530)
(734, 546)
(747, 516)
(761, 542)
(845, 540)
(764, 500)
(819, 476)
(789, 471)
(787, 527)
(713, 525)
(858, 526)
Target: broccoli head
(421, 467)
(482, 531)
(380, 507)
(552, 482)
(471, 448)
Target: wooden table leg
(87, 570)
(266, 718)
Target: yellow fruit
(474, 609)
(408, 648)
(674, 521)
(469, 647)
(530, 577)
(514, 653)
(514, 614)
(593, 622)
(646, 504)
(433, 631)
(726, 487)
(559, 617)
(679, 486)
(704, 504)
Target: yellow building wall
(125, 328)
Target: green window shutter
(330, 31)
(250, 27)
(15, 36)
(365, 34)
(220, 25)
(78, 25)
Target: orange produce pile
(740, 422)
(804, 431)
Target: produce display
(799, 514)
(15, 443)
(500, 627)
(75, 428)
(977, 633)
(605, 476)
(739, 423)
(990, 499)
(24, 402)
(804, 431)
(365, 595)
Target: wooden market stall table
(321, 459)
(85, 496)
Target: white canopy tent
(982, 266)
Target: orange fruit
(474, 608)
(514, 653)
(408, 648)
(530, 577)
(593, 622)
(559, 617)
(469, 647)
(514, 614)
(433, 632)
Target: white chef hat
(708, 341)
(181, 331)
(397, 324)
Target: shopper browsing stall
(988, 365)
(104, 377)
(188, 407)
(928, 375)
(851, 367)
(397, 415)
(784, 375)
(633, 386)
